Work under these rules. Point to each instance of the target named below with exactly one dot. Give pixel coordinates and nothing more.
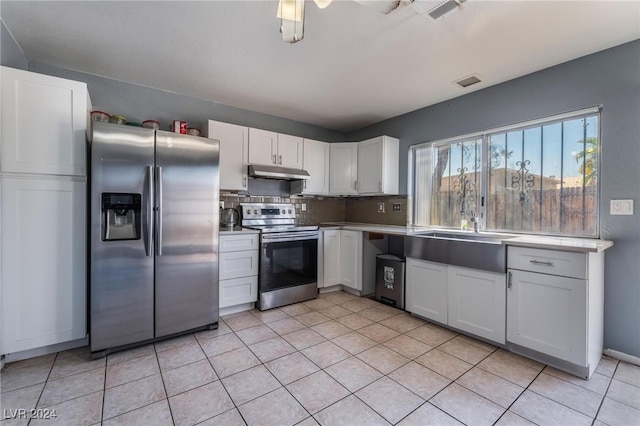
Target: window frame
(431, 147)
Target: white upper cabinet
(316, 162)
(263, 147)
(234, 154)
(378, 166)
(274, 149)
(290, 151)
(44, 124)
(343, 168)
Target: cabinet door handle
(280, 159)
(355, 185)
(540, 262)
(244, 182)
(304, 184)
(379, 186)
(509, 279)
(274, 158)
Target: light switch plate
(621, 207)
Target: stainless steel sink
(481, 237)
(471, 250)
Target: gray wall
(11, 55)
(610, 78)
(138, 103)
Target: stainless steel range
(288, 254)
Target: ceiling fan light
(323, 3)
(291, 14)
(291, 10)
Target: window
(537, 177)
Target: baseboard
(45, 350)
(621, 356)
(237, 308)
(331, 289)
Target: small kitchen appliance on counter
(229, 219)
(288, 254)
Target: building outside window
(538, 177)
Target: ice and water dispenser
(120, 216)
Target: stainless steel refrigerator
(154, 235)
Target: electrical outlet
(380, 207)
(621, 207)
(303, 207)
(396, 207)
(222, 204)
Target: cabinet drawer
(238, 264)
(566, 264)
(238, 242)
(238, 290)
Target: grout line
(605, 393)
(354, 356)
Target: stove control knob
(248, 211)
(255, 212)
(283, 211)
(289, 211)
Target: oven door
(288, 259)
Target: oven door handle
(289, 237)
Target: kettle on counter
(229, 218)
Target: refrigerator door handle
(149, 237)
(159, 211)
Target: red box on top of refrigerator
(179, 127)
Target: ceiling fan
(291, 12)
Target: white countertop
(583, 245)
(238, 231)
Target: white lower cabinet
(467, 299)
(477, 302)
(43, 262)
(331, 258)
(426, 289)
(351, 259)
(342, 258)
(238, 271)
(555, 306)
(547, 313)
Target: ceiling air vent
(468, 81)
(436, 8)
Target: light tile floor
(335, 360)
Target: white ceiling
(353, 68)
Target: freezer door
(121, 278)
(186, 238)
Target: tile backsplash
(365, 210)
(330, 209)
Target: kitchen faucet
(474, 220)
(474, 216)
